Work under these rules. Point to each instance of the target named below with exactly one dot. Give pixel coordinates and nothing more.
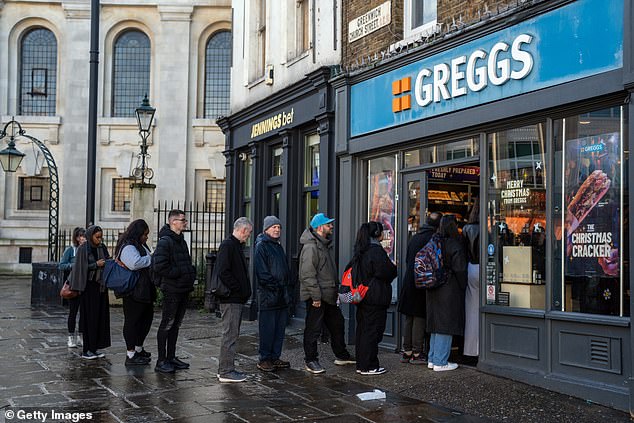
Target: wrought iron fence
(204, 234)
(65, 240)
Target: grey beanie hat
(270, 221)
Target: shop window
(590, 209)
(420, 17)
(381, 196)
(38, 73)
(217, 75)
(516, 218)
(276, 161)
(247, 186)
(442, 152)
(33, 193)
(130, 72)
(215, 195)
(121, 194)
(311, 176)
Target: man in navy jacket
(274, 294)
(231, 268)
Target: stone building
(178, 53)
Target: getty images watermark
(14, 414)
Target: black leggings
(137, 321)
(73, 305)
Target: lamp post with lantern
(144, 117)
(10, 159)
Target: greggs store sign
(560, 46)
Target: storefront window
(277, 161)
(442, 152)
(247, 186)
(516, 218)
(311, 176)
(590, 209)
(381, 199)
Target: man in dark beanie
(274, 294)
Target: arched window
(38, 73)
(130, 72)
(217, 75)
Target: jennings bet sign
(580, 39)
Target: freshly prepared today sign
(577, 40)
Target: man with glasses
(174, 274)
(319, 281)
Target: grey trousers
(231, 320)
(414, 334)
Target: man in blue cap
(319, 286)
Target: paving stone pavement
(38, 373)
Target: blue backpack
(429, 271)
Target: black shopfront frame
(542, 362)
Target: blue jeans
(439, 349)
(272, 325)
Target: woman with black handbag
(138, 305)
(94, 309)
(372, 267)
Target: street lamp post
(144, 117)
(10, 159)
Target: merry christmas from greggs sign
(562, 45)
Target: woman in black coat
(94, 309)
(445, 304)
(372, 267)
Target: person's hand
(101, 263)
(317, 304)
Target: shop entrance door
(445, 189)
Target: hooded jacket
(272, 273)
(172, 263)
(317, 269)
(375, 269)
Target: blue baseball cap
(320, 219)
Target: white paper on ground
(374, 395)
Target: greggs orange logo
(399, 87)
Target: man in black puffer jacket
(172, 265)
(274, 294)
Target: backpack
(348, 293)
(429, 271)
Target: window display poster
(592, 182)
(382, 207)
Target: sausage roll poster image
(382, 207)
(592, 206)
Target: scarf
(85, 259)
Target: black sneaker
(178, 364)
(314, 367)
(281, 364)
(136, 360)
(144, 353)
(164, 367)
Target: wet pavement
(39, 374)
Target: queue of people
(432, 317)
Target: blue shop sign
(574, 41)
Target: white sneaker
(430, 365)
(377, 371)
(446, 367)
(71, 341)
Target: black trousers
(331, 316)
(174, 307)
(137, 321)
(94, 319)
(370, 327)
(73, 309)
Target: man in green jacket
(319, 285)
